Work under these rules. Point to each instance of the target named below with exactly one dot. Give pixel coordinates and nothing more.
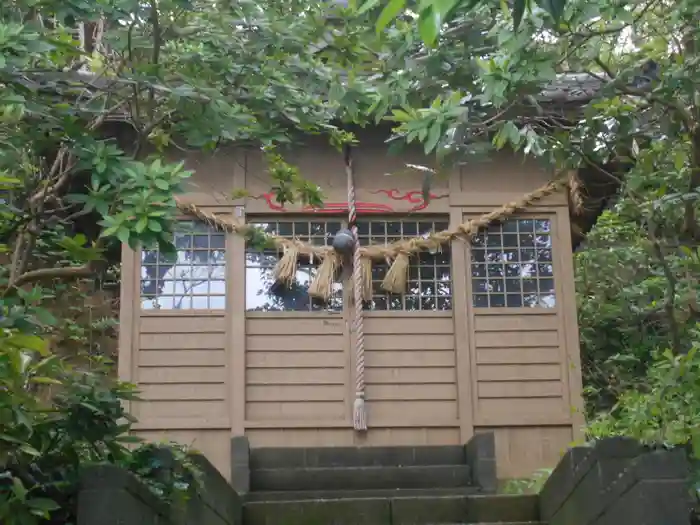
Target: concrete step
(429, 510)
(360, 478)
(320, 457)
(302, 495)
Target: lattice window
(264, 294)
(429, 275)
(511, 265)
(193, 278)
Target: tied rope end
(359, 414)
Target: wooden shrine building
(484, 337)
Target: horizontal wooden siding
(295, 368)
(519, 376)
(181, 370)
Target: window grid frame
(336, 304)
(551, 291)
(416, 263)
(191, 229)
(341, 278)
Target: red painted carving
(413, 197)
(329, 207)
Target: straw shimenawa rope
(391, 251)
(397, 252)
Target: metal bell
(343, 242)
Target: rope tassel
(322, 285)
(359, 414)
(397, 275)
(366, 271)
(286, 268)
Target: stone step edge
(288, 457)
(330, 494)
(375, 468)
(483, 497)
(359, 478)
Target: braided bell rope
(359, 413)
(387, 251)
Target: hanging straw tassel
(366, 272)
(397, 275)
(359, 412)
(286, 269)
(322, 285)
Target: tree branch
(671, 286)
(72, 272)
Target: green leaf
(30, 451)
(45, 317)
(141, 225)
(369, 4)
(123, 234)
(518, 12)
(555, 8)
(10, 439)
(679, 159)
(390, 11)
(18, 489)
(429, 26)
(155, 226)
(162, 184)
(45, 381)
(112, 230)
(43, 504)
(29, 342)
(433, 137)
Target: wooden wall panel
(410, 368)
(300, 381)
(295, 369)
(519, 378)
(521, 451)
(180, 370)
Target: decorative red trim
(362, 207)
(413, 197)
(328, 207)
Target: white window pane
(520, 250)
(184, 280)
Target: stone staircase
(427, 485)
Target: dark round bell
(343, 241)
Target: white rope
(359, 412)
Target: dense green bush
(54, 421)
(663, 411)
